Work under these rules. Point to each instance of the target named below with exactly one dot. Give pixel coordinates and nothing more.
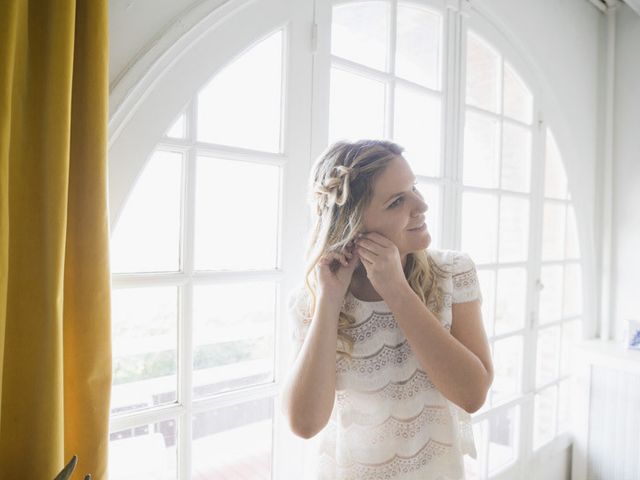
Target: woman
(391, 329)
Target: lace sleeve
(299, 305)
(466, 286)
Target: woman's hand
(381, 260)
(334, 271)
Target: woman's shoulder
(464, 278)
(451, 261)
(298, 296)
(299, 305)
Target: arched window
(208, 178)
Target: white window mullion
(132, 280)
(533, 282)
(390, 86)
(500, 144)
(321, 78)
(185, 336)
(453, 99)
(185, 381)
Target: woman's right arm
(309, 390)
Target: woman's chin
(428, 240)
(423, 242)
(423, 245)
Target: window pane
(481, 145)
(487, 279)
(511, 299)
(432, 194)
(544, 424)
(565, 411)
(237, 206)
(555, 177)
(418, 46)
(507, 361)
(360, 33)
(572, 290)
(147, 235)
(480, 226)
(551, 295)
(356, 107)
(553, 231)
(234, 441)
(573, 243)
(514, 229)
(516, 158)
(548, 355)
(241, 105)
(233, 336)
(417, 129)
(571, 334)
(518, 100)
(179, 127)
(144, 327)
(475, 467)
(483, 74)
(503, 439)
(146, 451)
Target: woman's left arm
(457, 362)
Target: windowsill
(611, 353)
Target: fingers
(365, 254)
(377, 238)
(367, 244)
(332, 256)
(350, 253)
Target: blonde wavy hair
(340, 189)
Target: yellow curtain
(55, 333)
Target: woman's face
(396, 207)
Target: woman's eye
(396, 202)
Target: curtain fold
(55, 331)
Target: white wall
(626, 175)
(134, 25)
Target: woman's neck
(362, 288)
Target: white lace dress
(389, 421)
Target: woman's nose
(421, 209)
